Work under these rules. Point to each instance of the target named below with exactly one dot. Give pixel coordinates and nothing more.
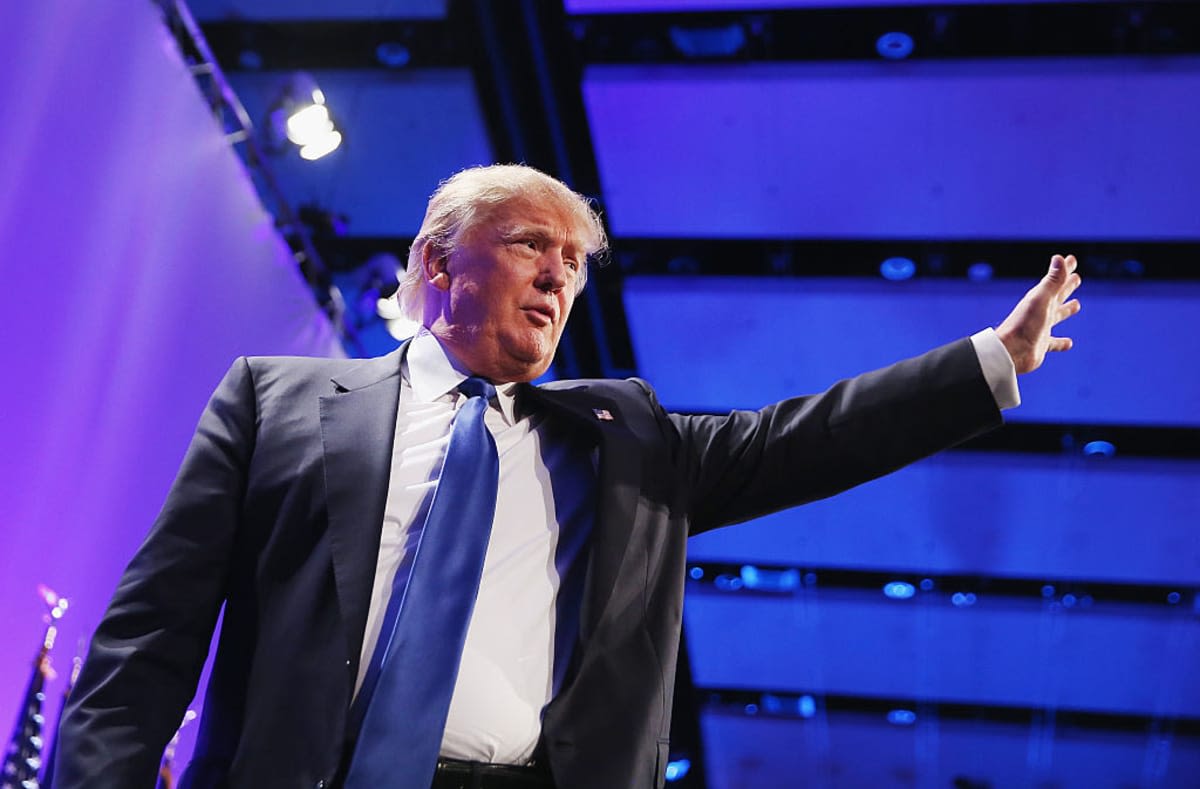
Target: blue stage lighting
(708, 42)
(980, 271)
(677, 769)
(902, 717)
(1068, 600)
(926, 584)
(895, 45)
(1173, 598)
(727, 583)
(1099, 449)
(696, 573)
(899, 590)
(1048, 591)
(799, 706)
(898, 268)
(770, 580)
(751, 709)
(392, 54)
(963, 599)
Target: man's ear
(435, 262)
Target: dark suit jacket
(276, 514)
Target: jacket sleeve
(751, 463)
(147, 653)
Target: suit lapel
(358, 427)
(617, 492)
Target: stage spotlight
(980, 271)
(301, 117)
(897, 269)
(677, 769)
(895, 45)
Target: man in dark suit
(298, 501)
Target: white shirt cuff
(998, 368)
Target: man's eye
(573, 265)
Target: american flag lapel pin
(603, 414)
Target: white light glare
(318, 148)
(310, 124)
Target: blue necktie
(415, 664)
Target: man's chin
(530, 363)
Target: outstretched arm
(1026, 331)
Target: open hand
(1026, 330)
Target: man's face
(507, 289)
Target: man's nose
(552, 275)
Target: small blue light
(1173, 598)
(962, 599)
(708, 42)
(770, 580)
(1133, 268)
(899, 590)
(902, 717)
(926, 584)
(1048, 591)
(677, 769)
(796, 706)
(810, 579)
(980, 271)
(696, 573)
(250, 60)
(1099, 448)
(392, 54)
(727, 583)
(897, 269)
(751, 709)
(895, 45)
(1068, 600)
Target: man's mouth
(540, 315)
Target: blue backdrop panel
(852, 750)
(628, 6)
(1017, 148)
(716, 343)
(276, 10)
(1108, 657)
(405, 132)
(1031, 516)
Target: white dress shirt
(518, 639)
(507, 674)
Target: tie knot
(477, 387)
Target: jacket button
(320, 784)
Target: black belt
(455, 774)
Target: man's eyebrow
(542, 233)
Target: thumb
(1058, 269)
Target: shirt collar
(433, 372)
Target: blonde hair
(470, 196)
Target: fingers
(1061, 267)
(1060, 344)
(1067, 310)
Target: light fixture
(300, 117)
(899, 590)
